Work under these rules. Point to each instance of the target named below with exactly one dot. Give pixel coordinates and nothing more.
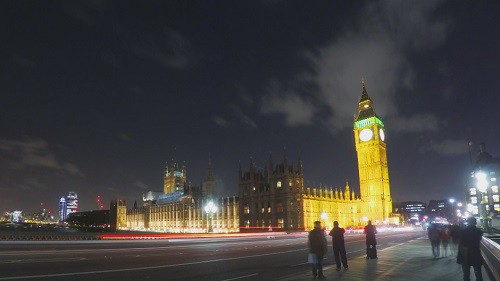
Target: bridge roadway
(242, 258)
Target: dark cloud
(34, 153)
(294, 108)
(221, 122)
(377, 47)
(170, 49)
(447, 147)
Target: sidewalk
(406, 261)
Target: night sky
(97, 96)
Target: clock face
(382, 134)
(366, 135)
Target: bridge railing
(490, 251)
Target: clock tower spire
(369, 136)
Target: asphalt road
(242, 258)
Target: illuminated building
(16, 216)
(276, 197)
(411, 211)
(62, 209)
(438, 208)
(271, 198)
(486, 197)
(174, 178)
(71, 203)
(370, 137)
(180, 209)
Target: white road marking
(43, 260)
(16, 253)
(241, 277)
(299, 264)
(144, 268)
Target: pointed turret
(347, 191)
(209, 184)
(285, 162)
(240, 172)
(270, 164)
(366, 109)
(300, 167)
(364, 93)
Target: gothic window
(279, 207)
(280, 223)
(246, 210)
(278, 184)
(290, 183)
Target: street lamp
(210, 209)
(452, 201)
(482, 187)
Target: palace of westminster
(273, 198)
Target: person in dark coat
(318, 246)
(337, 234)
(469, 251)
(445, 239)
(434, 235)
(455, 236)
(371, 242)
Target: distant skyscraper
(62, 209)
(71, 203)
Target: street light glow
(459, 204)
(324, 216)
(210, 208)
(482, 182)
(452, 200)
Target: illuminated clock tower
(370, 136)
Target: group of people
(441, 236)
(466, 239)
(318, 246)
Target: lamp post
(482, 187)
(452, 202)
(210, 209)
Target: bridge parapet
(490, 250)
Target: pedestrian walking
(469, 252)
(455, 236)
(371, 241)
(434, 235)
(445, 239)
(338, 243)
(317, 249)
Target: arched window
(278, 184)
